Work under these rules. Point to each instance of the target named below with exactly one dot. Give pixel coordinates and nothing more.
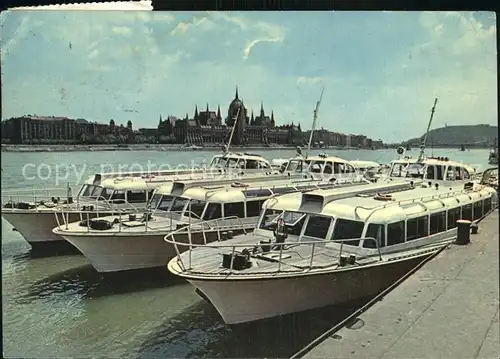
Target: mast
(422, 147)
(234, 126)
(314, 122)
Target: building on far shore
(207, 127)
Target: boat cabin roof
(441, 161)
(240, 192)
(239, 155)
(407, 200)
(365, 164)
(131, 183)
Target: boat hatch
(177, 188)
(97, 179)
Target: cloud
(309, 80)
(266, 33)
(167, 63)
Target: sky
(381, 70)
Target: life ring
(383, 197)
(239, 185)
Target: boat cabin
(431, 168)
(242, 200)
(245, 160)
(133, 190)
(321, 164)
(393, 215)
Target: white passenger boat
(118, 243)
(34, 219)
(31, 212)
(327, 246)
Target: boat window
(84, 191)
(251, 164)
(431, 172)
(336, 168)
(264, 192)
(118, 196)
(440, 173)
(478, 209)
(234, 209)
(316, 166)
(214, 210)
(178, 204)
(231, 162)
(346, 229)
(282, 190)
(417, 228)
(94, 192)
(395, 233)
(487, 205)
(458, 173)
(318, 226)
(349, 168)
(328, 169)
(263, 164)
(254, 208)
(294, 221)
(196, 208)
(267, 221)
(453, 217)
(136, 196)
(294, 165)
(415, 170)
(467, 212)
(464, 173)
(106, 193)
(218, 161)
(437, 222)
(376, 231)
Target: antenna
(422, 147)
(314, 122)
(232, 131)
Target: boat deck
(448, 309)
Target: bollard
(223, 236)
(230, 234)
(352, 259)
(463, 232)
(474, 228)
(342, 260)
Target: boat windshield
(316, 166)
(415, 170)
(195, 208)
(178, 204)
(161, 202)
(218, 161)
(106, 194)
(294, 165)
(398, 169)
(294, 221)
(92, 192)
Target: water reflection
(199, 331)
(84, 281)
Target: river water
(60, 306)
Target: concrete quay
(446, 309)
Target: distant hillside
(472, 136)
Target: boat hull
(118, 252)
(239, 301)
(36, 227)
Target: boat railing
(276, 250)
(240, 248)
(32, 196)
(124, 216)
